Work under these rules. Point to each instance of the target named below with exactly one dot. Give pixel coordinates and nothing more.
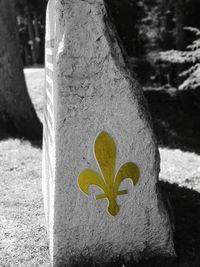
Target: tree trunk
(31, 32)
(37, 37)
(15, 103)
(180, 35)
(180, 19)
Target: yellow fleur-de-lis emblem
(105, 154)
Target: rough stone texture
(95, 92)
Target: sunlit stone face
(102, 145)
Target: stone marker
(100, 160)
(49, 152)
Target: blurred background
(146, 28)
(162, 42)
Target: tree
(126, 15)
(31, 25)
(180, 22)
(15, 104)
(190, 56)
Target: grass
(22, 226)
(23, 237)
(35, 84)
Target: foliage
(191, 56)
(31, 25)
(145, 27)
(127, 15)
(157, 25)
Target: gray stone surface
(94, 92)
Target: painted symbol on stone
(105, 154)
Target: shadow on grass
(186, 208)
(176, 118)
(7, 130)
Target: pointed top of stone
(100, 203)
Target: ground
(22, 225)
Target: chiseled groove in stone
(49, 86)
(49, 73)
(50, 43)
(47, 125)
(50, 59)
